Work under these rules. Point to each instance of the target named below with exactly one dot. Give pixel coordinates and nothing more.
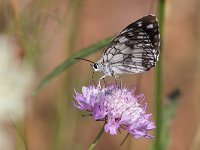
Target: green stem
(158, 80)
(71, 60)
(96, 140)
(124, 139)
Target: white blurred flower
(15, 80)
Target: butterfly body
(134, 50)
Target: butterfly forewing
(149, 25)
(136, 48)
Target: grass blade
(70, 61)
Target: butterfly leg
(100, 80)
(93, 79)
(104, 81)
(120, 80)
(115, 80)
(93, 82)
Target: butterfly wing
(136, 48)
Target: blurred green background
(36, 36)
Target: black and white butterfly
(134, 50)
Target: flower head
(118, 107)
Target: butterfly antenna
(85, 60)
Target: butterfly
(134, 50)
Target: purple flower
(118, 107)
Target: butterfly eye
(95, 66)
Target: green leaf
(70, 61)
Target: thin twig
(124, 140)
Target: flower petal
(82, 102)
(99, 111)
(111, 126)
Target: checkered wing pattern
(136, 48)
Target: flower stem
(96, 140)
(124, 139)
(159, 84)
